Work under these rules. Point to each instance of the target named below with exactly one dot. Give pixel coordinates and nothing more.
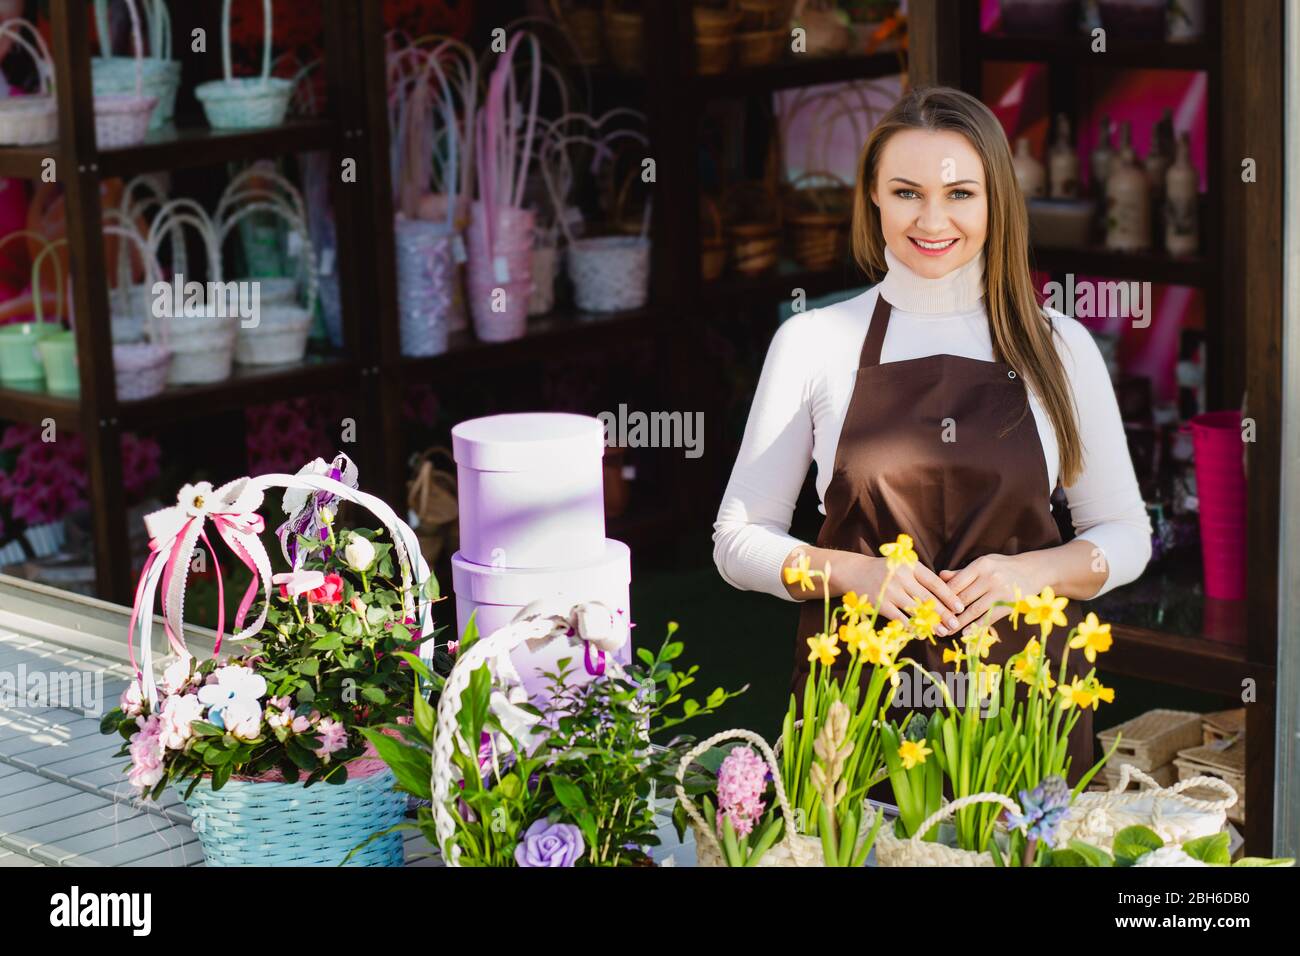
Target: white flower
(295, 499)
(132, 702)
(195, 500)
(176, 675)
(179, 711)
(243, 719)
(1171, 855)
(359, 553)
(234, 699)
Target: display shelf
(26, 162)
(1136, 266)
(1076, 51)
(555, 334)
(173, 148)
(1212, 666)
(799, 70)
(35, 407)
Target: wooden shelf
(1076, 51)
(800, 70)
(33, 408)
(552, 335)
(25, 162)
(1215, 667)
(1138, 266)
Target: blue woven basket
(287, 824)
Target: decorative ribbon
(303, 508)
(590, 621)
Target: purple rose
(550, 844)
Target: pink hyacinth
(742, 778)
(146, 753)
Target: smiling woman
(944, 404)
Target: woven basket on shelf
(764, 14)
(1153, 739)
(21, 361)
(751, 216)
(246, 102)
(793, 849)
(715, 37)
(818, 218)
(431, 496)
(279, 333)
(625, 36)
(161, 74)
(1197, 766)
(140, 368)
(203, 347)
(26, 120)
(760, 47)
(584, 28)
(260, 181)
(713, 244)
(130, 301)
(893, 850)
(122, 119)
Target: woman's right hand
(905, 588)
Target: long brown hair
(1020, 330)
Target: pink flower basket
(500, 272)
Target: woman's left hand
(992, 578)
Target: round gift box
(531, 489)
(496, 595)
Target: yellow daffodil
(925, 618)
(1046, 610)
(857, 607)
(981, 640)
(899, 552)
(801, 573)
(824, 648)
(1077, 693)
(1020, 606)
(1101, 695)
(856, 637)
(988, 679)
(953, 654)
(1093, 636)
(913, 752)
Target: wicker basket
(162, 75)
(715, 21)
(288, 824)
(140, 368)
(583, 27)
(794, 848)
(893, 850)
(1153, 739)
(760, 47)
(1224, 725)
(764, 15)
(1213, 762)
(1113, 772)
(31, 119)
(713, 245)
(818, 218)
(431, 496)
(1190, 808)
(247, 102)
(279, 335)
(625, 36)
(751, 216)
(122, 119)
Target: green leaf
(202, 728)
(1265, 861)
(350, 625)
(1211, 849)
(569, 794)
(330, 642)
(1091, 855)
(309, 667)
(1066, 858)
(374, 694)
(431, 590)
(1133, 842)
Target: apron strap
(875, 333)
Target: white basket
(140, 368)
(45, 539)
(610, 273)
(895, 851)
(162, 75)
(122, 119)
(427, 274)
(32, 119)
(245, 102)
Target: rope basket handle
(59, 264)
(495, 647)
(464, 67)
(1120, 794)
(37, 50)
(153, 274)
(267, 34)
(559, 145)
(948, 809)
(232, 508)
(693, 812)
(176, 211)
(38, 305)
(297, 224)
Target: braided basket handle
(1128, 773)
(949, 809)
(693, 812)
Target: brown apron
(943, 448)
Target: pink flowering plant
(293, 704)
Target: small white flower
(359, 553)
(178, 713)
(195, 500)
(176, 675)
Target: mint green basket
(115, 75)
(59, 357)
(20, 363)
(246, 102)
(287, 824)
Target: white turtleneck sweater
(803, 395)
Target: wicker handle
(176, 212)
(152, 275)
(129, 210)
(706, 828)
(38, 306)
(949, 809)
(1128, 773)
(498, 164)
(267, 34)
(495, 647)
(559, 146)
(297, 224)
(37, 50)
(303, 96)
(247, 179)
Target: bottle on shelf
(1182, 236)
(1128, 210)
(1029, 171)
(1063, 163)
(1100, 159)
(1159, 157)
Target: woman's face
(934, 209)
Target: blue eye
(904, 193)
(960, 194)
